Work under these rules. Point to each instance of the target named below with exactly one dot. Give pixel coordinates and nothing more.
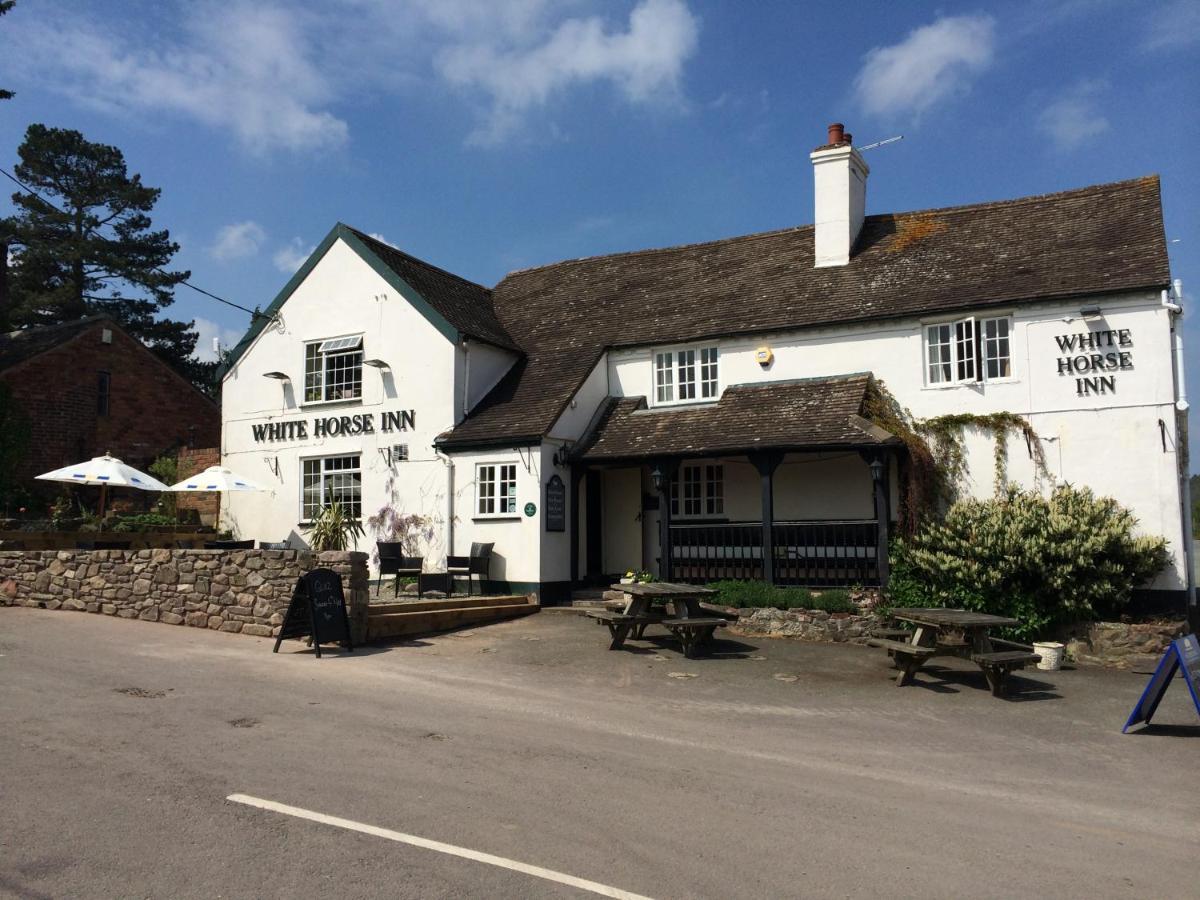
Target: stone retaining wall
(1119, 644)
(808, 625)
(244, 591)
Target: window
(328, 480)
(496, 490)
(103, 389)
(664, 387)
(687, 375)
(953, 351)
(333, 370)
(699, 490)
(997, 354)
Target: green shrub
(1045, 561)
(140, 522)
(746, 594)
(760, 595)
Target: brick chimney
(840, 198)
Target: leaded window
(496, 489)
(686, 375)
(328, 480)
(968, 350)
(333, 369)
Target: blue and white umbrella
(105, 471)
(215, 478)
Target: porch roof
(806, 414)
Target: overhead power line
(254, 313)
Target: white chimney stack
(840, 198)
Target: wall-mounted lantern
(656, 479)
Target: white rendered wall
(485, 366)
(342, 295)
(1110, 442)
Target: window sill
(347, 400)
(674, 404)
(969, 384)
(497, 517)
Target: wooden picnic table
(955, 632)
(687, 619)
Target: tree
(5, 6)
(85, 245)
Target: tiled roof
(812, 413)
(18, 346)
(464, 304)
(1100, 239)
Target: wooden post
(667, 468)
(767, 463)
(880, 464)
(577, 473)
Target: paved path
(120, 742)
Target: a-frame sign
(1183, 656)
(317, 610)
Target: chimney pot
(836, 133)
(848, 138)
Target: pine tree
(5, 6)
(85, 245)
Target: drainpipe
(1175, 311)
(466, 347)
(448, 462)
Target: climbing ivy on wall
(935, 467)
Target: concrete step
(396, 624)
(378, 609)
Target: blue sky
(488, 135)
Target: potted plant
(332, 529)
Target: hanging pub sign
(555, 509)
(317, 611)
(1183, 656)
(1093, 357)
(334, 426)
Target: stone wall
(808, 625)
(1120, 644)
(244, 591)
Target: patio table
(687, 619)
(961, 633)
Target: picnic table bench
(954, 632)
(688, 621)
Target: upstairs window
(968, 350)
(686, 375)
(333, 369)
(103, 391)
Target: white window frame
(968, 349)
(698, 491)
(692, 375)
(324, 476)
(327, 350)
(496, 490)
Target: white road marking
(583, 884)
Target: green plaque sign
(530, 509)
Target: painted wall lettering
(333, 426)
(1095, 365)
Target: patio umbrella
(105, 471)
(215, 478)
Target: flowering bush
(1046, 561)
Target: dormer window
(333, 369)
(686, 375)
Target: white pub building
(678, 410)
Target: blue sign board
(1184, 656)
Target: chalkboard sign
(317, 611)
(555, 510)
(1182, 656)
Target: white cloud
(645, 62)
(208, 329)
(1172, 26)
(1074, 117)
(273, 74)
(237, 241)
(932, 63)
(379, 237)
(291, 256)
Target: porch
(783, 482)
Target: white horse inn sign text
(1106, 352)
(334, 426)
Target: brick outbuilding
(87, 388)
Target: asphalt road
(780, 770)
